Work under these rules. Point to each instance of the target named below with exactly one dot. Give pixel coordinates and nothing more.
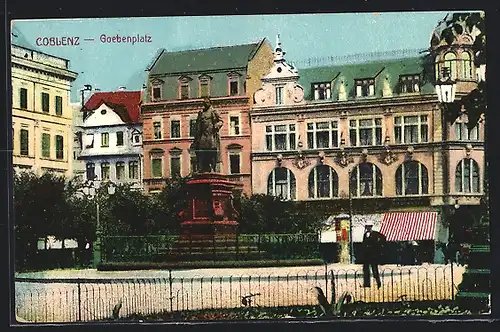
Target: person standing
(373, 243)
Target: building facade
(369, 140)
(111, 138)
(177, 83)
(41, 112)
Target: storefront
(412, 237)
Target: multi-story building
(177, 82)
(41, 112)
(370, 140)
(111, 134)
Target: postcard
(250, 167)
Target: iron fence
(75, 300)
(154, 248)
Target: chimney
(122, 88)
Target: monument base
(209, 227)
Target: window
(104, 139)
(175, 166)
(279, 95)
(365, 132)
(192, 127)
(234, 125)
(366, 180)
(450, 61)
(463, 133)
(89, 141)
(59, 105)
(24, 142)
(410, 129)
(281, 183)
(136, 138)
(45, 102)
(45, 145)
(90, 171)
(280, 137)
(234, 162)
(157, 130)
(204, 87)
(105, 171)
(365, 88)
(411, 179)
(322, 135)
(120, 170)
(119, 138)
(184, 90)
(59, 147)
(323, 182)
(23, 98)
(466, 65)
(467, 176)
(175, 129)
(410, 83)
(133, 170)
(233, 85)
(322, 91)
(156, 167)
(156, 92)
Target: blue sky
(108, 66)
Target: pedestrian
(373, 243)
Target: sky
(108, 66)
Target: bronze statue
(206, 140)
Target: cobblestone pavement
(97, 292)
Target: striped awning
(409, 226)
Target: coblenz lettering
(117, 39)
(57, 41)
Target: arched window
(366, 180)
(281, 183)
(323, 182)
(450, 61)
(412, 179)
(466, 65)
(467, 176)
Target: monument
(209, 219)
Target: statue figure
(206, 140)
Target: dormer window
(410, 83)
(204, 86)
(184, 87)
(234, 84)
(322, 91)
(365, 87)
(156, 89)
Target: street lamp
(90, 188)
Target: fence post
(79, 302)
(170, 288)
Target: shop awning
(358, 227)
(409, 226)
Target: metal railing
(75, 300)
(156, 248)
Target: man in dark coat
(373, 243)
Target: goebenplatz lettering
(116, 39)
(103, 38)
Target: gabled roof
(378, 69)
(207, 59)
(125, 103)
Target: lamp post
(90, 188)
(351, 245)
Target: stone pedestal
(209, 221)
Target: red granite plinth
(209, 220)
